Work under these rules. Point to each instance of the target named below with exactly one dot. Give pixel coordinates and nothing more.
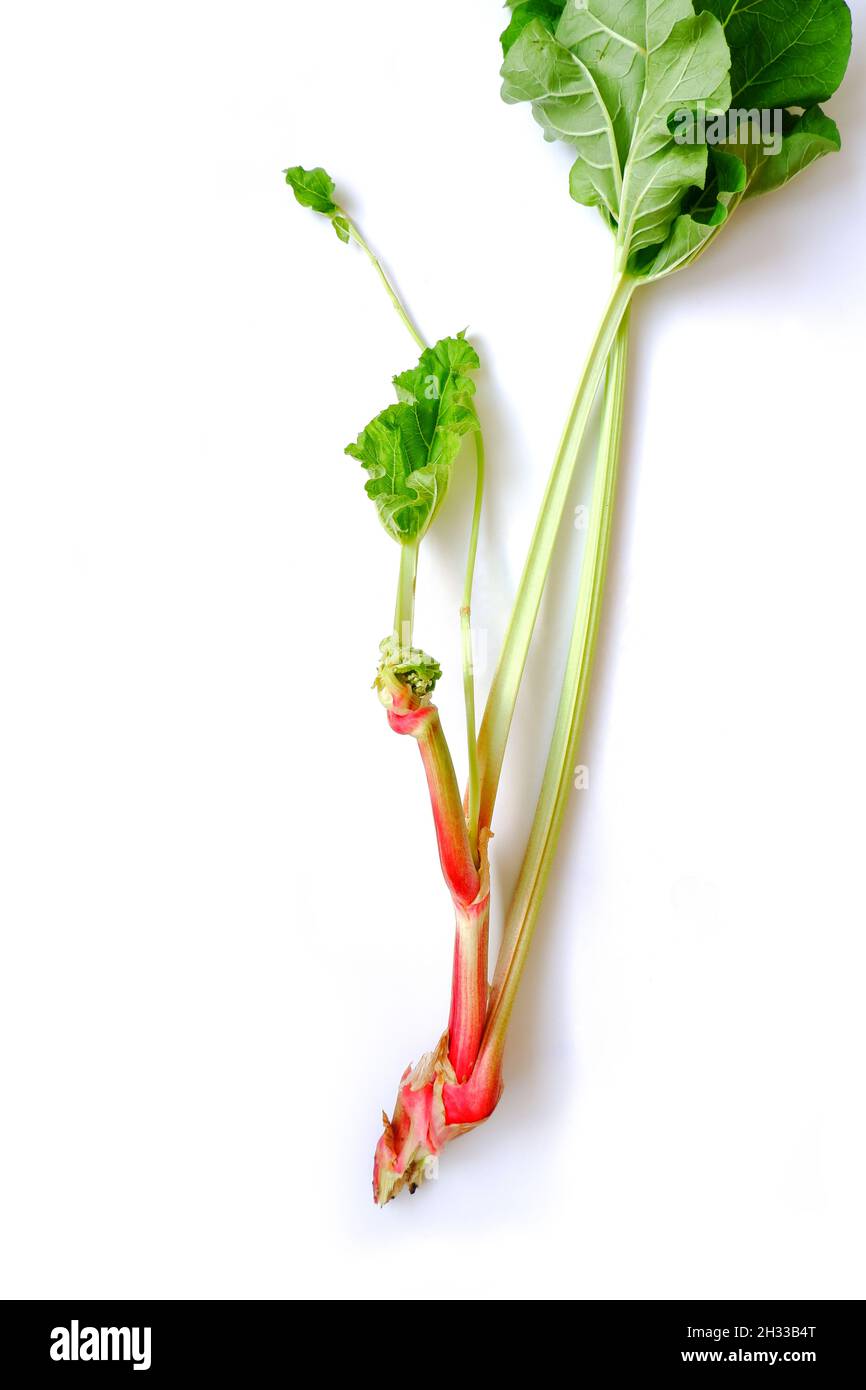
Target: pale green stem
(404, 610)
(468, 665)
(499, 712)
(392, 293)
(560, 770)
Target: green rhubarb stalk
(615, 102)
(404, 609)
(562, 758)
(612, 102)
(501, 701)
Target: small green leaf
(408, 450)
(726, 178)
(807, 138)
(341, 226)
(313, 188)
(548, 11)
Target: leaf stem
(392, 293)
(468, 664)
(499, 712)
(404, 609)
(523, 910)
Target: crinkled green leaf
(784, 52)
(408, 450)
(410, 666)
(548, 11)
(608, 82)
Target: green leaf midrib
(428, 444)
(644, 125)
(615, 166)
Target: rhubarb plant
(678, 112)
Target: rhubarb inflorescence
(618, 82)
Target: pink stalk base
(431, 1109)
(449, 1092)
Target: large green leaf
(608, 82)
(612, 75)
(409, 449)
(784, 52)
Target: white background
(223, 929)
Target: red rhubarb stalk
(420, 720)
(469, 987)
(469, 886)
